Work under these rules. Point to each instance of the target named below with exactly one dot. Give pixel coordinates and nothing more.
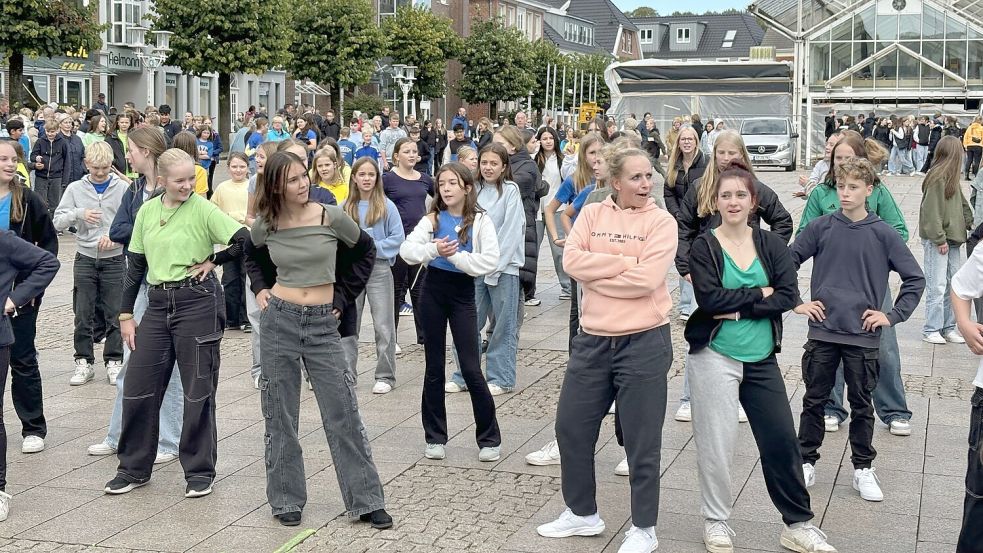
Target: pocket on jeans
(207, 354)
(350, 390)
(807, 355)
(976, 421)
(265, 397)
(871, 369)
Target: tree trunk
(225, 108)
(15, 62)
(493, 110)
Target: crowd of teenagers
(310, 227)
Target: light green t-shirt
(746, 340)
(179, 237)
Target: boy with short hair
(367, 149)
(48, 160)
(458, 141)
(90, 205)
(854, 252)
(346, 146)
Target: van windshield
(764, 126)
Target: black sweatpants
(4, 360)
(448, 298)
(185, 324)
(408, 277)
(25, 376)
(860, 370)
(633, 370)
(234, 283)
(971, 534)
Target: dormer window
(729, 39)
(645, 36)
(682, 35)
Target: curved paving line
(295, 541)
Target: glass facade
(943, 38)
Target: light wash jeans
(252, 313)
(502, 302)
(939, 270)
(919, 155)
(900, 161)
(379, 290)
(888, 396)
(687, 300)
(172, 409)
(555, 250)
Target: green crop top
(306, 256)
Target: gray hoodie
(852, 262)
(81, 195)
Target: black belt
(190, 281)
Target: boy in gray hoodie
(854, 252)
(90, 205)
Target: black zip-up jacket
(74, 159)
(424, 150)
(707, 262)
(934, 136)
(674, 195)
(330, 130)
(882, 135)
(352, 271)
(119, 153)
(691, 225)
(52, 154)
(36, 228)
(525, 173)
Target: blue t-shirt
(205, 147)
(311, 135)
(447, 226)
(5, 212)
(565, 194)
(101, 186)
(347, 148)
(253, 143)
(578, 202)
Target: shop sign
(123, 60)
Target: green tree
(336, 42)
(593, 65)
(496, 65)
(225, 37)
(421, 38)
(643, 11)
(44, 28)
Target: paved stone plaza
(459, 504)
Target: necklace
(737, 244)
(164, 221)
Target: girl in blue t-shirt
(459, 243)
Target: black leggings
(4, 362)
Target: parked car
(770, 141)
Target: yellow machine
(586, 113)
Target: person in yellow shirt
(232, 197)
(188, 142)
(973, 142)
(328, 173)
(21, 166)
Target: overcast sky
(665, 7)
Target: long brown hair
(677, 154)
(869, 149)
(503, 155)
(471, 208)
(542, 154)
(16, 189)
(377, 198)
(706, 197)
(947, 163)
(270, 185)
(584, 173)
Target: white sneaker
(32, 444)
(548, 455)
(164, 458)
(622, 468)
(256, 382)
(684, 413)
(832, 423)
(901, 427)
(4, 506)
(83, 373)
(113, 369)
(934, 338)
(453, 387)
(639, 540)
(612, 409)
(497, 390)
(490, 454)
(382, 388)
(101, 448)
(809, 474)
(866, 482)
(435, 451)
(683, 317)
(570, 524)
(954, 337)
(310, 385)
(716, 536)
(741, 415)
(533, 302)
(398, 349)
(805, 539)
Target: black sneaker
(379, 519)
(289, 519)
(198, 488)
(120, 485)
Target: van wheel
(790, 168)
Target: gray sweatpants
(631, 369)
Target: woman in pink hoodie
(620, 251)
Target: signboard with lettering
(123, 60)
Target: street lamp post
(404, 75)
(152, 56)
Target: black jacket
(122, 228)
(526, 174)
(883, 135)
(707, 262)
(426, 154)
(439, 145)
(52, 154)
(330, 130)
(36, 228)
(352, 271)
(934, 136)
(691, 225)
(685, 180)
(74, 159)
(119, 153)
(869, 124)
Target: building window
(645, 36)
(629, 40)
(205, 96)
(520, 20)
(682, 36)
(537, 27)
(37, 87)
(123, 15)
(729, 39)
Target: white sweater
(483, 259)
(967, 284)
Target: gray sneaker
(435, 451)
(489, 454)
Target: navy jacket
(19, 257)
(52, 154)
(122, 228)
(74, 160)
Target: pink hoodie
(620, 258)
